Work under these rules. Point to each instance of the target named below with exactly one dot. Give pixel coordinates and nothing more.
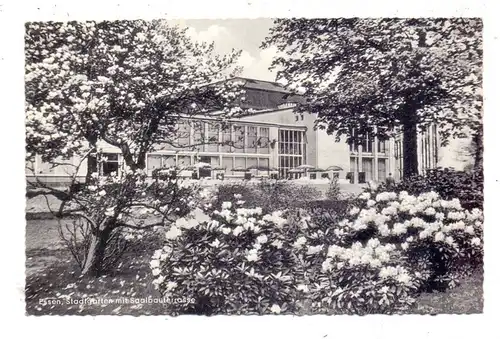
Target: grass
(51, 275)
(61, 283)
(464, 299)
(60, 290)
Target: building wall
(226, 156)
(321, 150)
(285, 119)
(332, 153)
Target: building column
(431, 147)
(359, 165)
(420, 152)
(375, 158)
(274, 135)
(391, 164)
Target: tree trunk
(479, 147)
(410, 150)
(91, 167)
(91, 160)
(95, 255)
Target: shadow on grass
(467, 298)
(59, 289)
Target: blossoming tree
(398, 74)
(126, 84)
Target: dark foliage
(270, 196)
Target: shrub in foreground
(437, 238)
(448, 183)
(390, 248)
(232, 261)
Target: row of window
(288, 162)
(368, 168)
(212, 137)
(227, 163)
(428, 154)
(291, 142)
(368, 146)
(429, 148)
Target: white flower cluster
(276, 218)
(236, 221)
(382, 211)
(373, 254)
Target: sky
(240, 34)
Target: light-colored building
(272, 137)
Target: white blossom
(275, 309)
(226, 205)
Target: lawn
(52, 275)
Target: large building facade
(272, 137)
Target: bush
(333, 192)
(448, 183)
(388, 249)
(438, 238)
(233, 261)
(269, 195)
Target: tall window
(381, 146)
(290, 150)
(399, 157)
(264, 162)
(367, 146)
(110, 163)
(240, 163)
(183, 161)
(199, 135)
(251, 144)
(368, 168)
(211, 160)
(168, 161)
(212, 138)
(263, 141)
(435, 143)
(353, 163)
(382, 170)
(432, 150)
(59, 167)
(155, 161)
(226, 139)
(227, 163)
(353, 147)
(183, 134)
(239, 139)
(366, 142)
(252, 162)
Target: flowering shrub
(232, 261)
(337, 276)
(448, 183)
(437, 238)
(388, 249)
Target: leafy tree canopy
(122, 82)
(357, 73)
